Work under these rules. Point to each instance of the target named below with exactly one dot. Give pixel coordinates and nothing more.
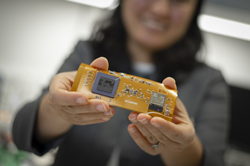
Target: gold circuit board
(126, 91)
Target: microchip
(105, 84)
(157, 101)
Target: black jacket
(204, 93)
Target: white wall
(36, 36)
(230, 55)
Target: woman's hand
(61, 108)
(173, 136)
(75, 107)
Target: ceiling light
(224, 27)
(96, 3)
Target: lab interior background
(37, 36)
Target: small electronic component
(105, 85)
(157, 102)
(126, 91)
(135, 92)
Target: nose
(161, 8)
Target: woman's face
(157, 24)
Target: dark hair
(109, 40)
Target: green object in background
(11, 159)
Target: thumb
(180, 112)
(169, 82)
(100, 63)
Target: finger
(64, 80)
(91, 121)
(180, 113)
(140, 140)
(179, 135)
(82, 119)
(157, 134)
(140, 121)
(180, 107)
(100, 63)
(60, 91)
(93, 106)
(169, 82)
(63, 97)
(71, 77)
(169, 129)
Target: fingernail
(133, 118)
(110, 112)
(143, 121)
(107, 113)
(156, 125)
(81, 100)
(105, 119)
(101, 108)
(132, 130)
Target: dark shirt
(204, 94)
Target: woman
(158, 34)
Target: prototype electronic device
(126, 91)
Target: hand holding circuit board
(82, 108)
(126, 91)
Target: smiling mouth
(154, 25)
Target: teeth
(153, 25)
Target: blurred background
(36, 37)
